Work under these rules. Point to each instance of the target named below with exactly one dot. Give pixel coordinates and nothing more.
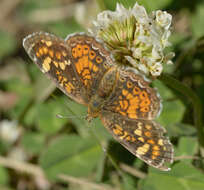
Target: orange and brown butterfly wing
(91, 60)
(133, 98)
(143, 138)
(53, 57)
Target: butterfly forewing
(91, 60)
(53, 57)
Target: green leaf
(63, 28)
(181, 129)
(128, 182)
(46, 117)
(24, 92)
(172, 112)
(163, 90)
(182, 177)
(197, 21)
(4, 176)
(8, 43)
(77, 115)
(149, 5)
(71, 155)
(33, 142)
(187, 147)
(154, 5)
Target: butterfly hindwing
(142, 138)
(133, 97)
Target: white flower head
(135, 37)
(156, 69)
(163, 19)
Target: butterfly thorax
(105, 89)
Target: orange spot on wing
(92, 54)
(85, 72)
(41, 51)
(129, 96)
(145, 102)
(136, 90)
(129, 84)
(79, 50)
(150, 141)
(37, 54)
(99, 59)
(155, 153)
(153, 157)
(74, 53)
(90, 65)
(149, 127)
(144, 109)
(143, 95)
(85, 61)
(64, 53)
(70, 84)
(58, 55)
(156, 148)
(122, 113)
(45, 50)
(55, 63)
(132, 115)
(78, 68)
(68, 89)
(51, 53)
(124, 92)
(85, 82)
(48, 43)
(85, 49)
(134, 101)
(125, 104)
(87, 77)
(148, 134)
(117, 130)
(95, 68)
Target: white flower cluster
(143, 37)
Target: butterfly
(83, 68)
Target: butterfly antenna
(70, 117)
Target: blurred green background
(39, 150)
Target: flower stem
(197, 105)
